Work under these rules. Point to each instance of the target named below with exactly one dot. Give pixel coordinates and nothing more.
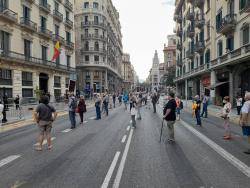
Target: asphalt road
(108, 153)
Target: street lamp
(5, 103)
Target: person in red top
(81, 108)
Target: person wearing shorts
(44, 115)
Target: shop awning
(216, 85)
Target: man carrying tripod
(169, 116)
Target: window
(66, 82)
(96, 58)
(96, 74)
(86, 46)
(208, 5)
(96, 19)
(219, 20)
(245, 34)
(86, 57)
(58, 60)
(56, 6)
(43, 23)
(96, 46)
(219, 48)
(86, 19)
(86, 5)
(96, 32)
(26, 13)
(7, 91)
(208, 30)
(230, 43)
(67, 15)
(68, 60)
(57, 29)
(242, 4)
(86, 32)
(44, 53)
(4, 41)
(57, 81)
(5, 77)
(27, 79)
(4, 4)
(27, 48)
(27, 92)
(201, 60)
(207, 57)
(57, 93)
(95, 5)
(68, 36)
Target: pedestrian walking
(17, 101)
(139, 106)
(98, 107)
(106, 104)
(226, 115)
(81, 108)
(169, 116)
(1, 112)
(154, 99)
(114, 99)
(245, 120)
(72, 105)
(44, 115)
(197, 110)
(133, 114)
(239, 102)
(205, 101)
(179, 107)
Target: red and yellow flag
(56, 51)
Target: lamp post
(5, 103)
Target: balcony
(199, 23)
(30, 1)
(178, 18)
(32, 61)
(68, 23)
(26, 23)
(68, 5)
(70, 45)
(93, 50)
(56, 38)
(228, 24)
(58, 16)
(8, 15)
(190, 31)
(190, 54)
(199, 3)
(44, 6)
(44, 32)
(247, 7)
(199, 47)
(190, 15)
(96, 24)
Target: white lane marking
(124, 138)
(130, 121)
(45, 141)
(128, 128)
(111, 170)
(8, 160)
(66, 130)
(85, 122)
(226, 155)
(123, 160)
(92, 118)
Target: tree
(169, 77)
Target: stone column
(231, 87)
(213, 81)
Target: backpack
(73, 104)
(181, 105)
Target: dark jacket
(82, 105)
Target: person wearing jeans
(226, 115)
(198, 110)
(72, 108)
(204, 104)
(98, 107)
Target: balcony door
(43, 23)
(26, 13)
(27, 49)
(4, 42)
(4, 4)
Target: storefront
(206, 83)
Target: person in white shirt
(239, 101)
(245, 119)
(1, 112)
(226, 115)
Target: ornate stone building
(99, 46)
(29, 30)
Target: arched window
(96, 46)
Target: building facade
(213, 55)
(169, 52)
(127, 72)
(99, 46)
(29, 30)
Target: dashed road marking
(92, 118)
(66, 130)
(226, 155)
(124, 138)
(8, 160)
(128, 128)
(123, 161)
(106, 181)
(45, 141)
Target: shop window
(27, 79)
(7, 91)
(5, 77)
(27, 92)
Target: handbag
(77, 110)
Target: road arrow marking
(123, 161)
(226, 155)
(45, 141)
(8, 160)
(106, 181)
(124, 138)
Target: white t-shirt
(239, 102)
(227, 109)
(1, 108)
(246, 107)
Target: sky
(145, 26)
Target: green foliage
(38, 92)
(169, 77)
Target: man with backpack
(169, 116)
(72, 110)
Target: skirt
(246, 130)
